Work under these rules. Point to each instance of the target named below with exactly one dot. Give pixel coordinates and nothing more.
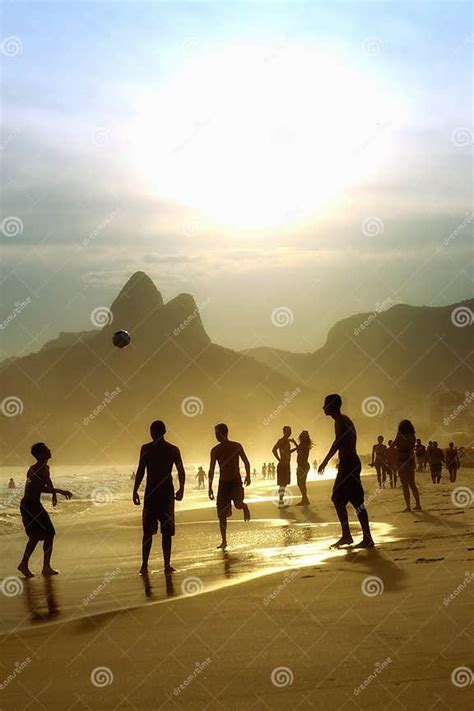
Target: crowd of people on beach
(403, 456)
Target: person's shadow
(41, 599)
(378, 565)
(169, 586)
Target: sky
(311, 157)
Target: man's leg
(48, 550)
(29, 548)
(146, 548)
(166, 540)
(357, 501)
(414, 491)
(223, 529)
(339, 500)
(406, 491)
(379, 474)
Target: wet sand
(277, 619)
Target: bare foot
(407, 510)
(365, 543)
(222, 545)
(23, 568)
(48, 571)
(169, 569)
(143, 570)
(343, 541)
(246, 513)
(303, 502)
(418, 508)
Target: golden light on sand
(257, 137)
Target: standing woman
(302, 448)
(405, 445)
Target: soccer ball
(121, 339)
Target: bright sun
(256, 137)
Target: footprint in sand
(428, 560)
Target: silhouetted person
(36, 520)
(157, 458)
(201, 477)
(271, 466)
(11, 484)
(227, 454)
(302, 449)
(452, 462)
(347, 487)
(405, 444)
(392, 463)
(435, 462)
(282, 453)
(428, 454)
(264, 471)
(379, 461)
(420, 455)
(132, 476)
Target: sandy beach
(276, 620)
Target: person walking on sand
(379, 461)
(348, 486)
(36, 520)
(282, 453)
(420, 454)
(405, 445)
(435, 462)
(201, 477)
(392, 461)
(452, 462)
(157, 458)
(227, 454)
(264, 471)
(303, 448)
(11, 484)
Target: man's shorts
(348, 487)
(283, 473)
(228, 492)
(159, 509)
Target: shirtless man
(379, 461)
(227, 455)
(282, 453)
(348, 486)
(158, 458)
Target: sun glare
(254, 137)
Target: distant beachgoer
(420, 454)
(435, 463)
(11, 484)
(302, 448)
(379, 461)
(201, 477)
(272, 470)
(132, 476)
(315, 464)
(157, 458)
(282, 453)
(405, 445)
(452, 462)
(36, 520)
(264, 471)
(392, 462)
(428, 453)
(348, 486)
(227, 455)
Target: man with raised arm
(228, 454)
(158, 458)
(348, 486)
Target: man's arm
(246, 462)
(276, 451)
(373, 456)
(139, 476)
(181, 475)
(212, 466)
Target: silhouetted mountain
(93, 402)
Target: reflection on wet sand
(40, 598)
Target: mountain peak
(138, 298)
